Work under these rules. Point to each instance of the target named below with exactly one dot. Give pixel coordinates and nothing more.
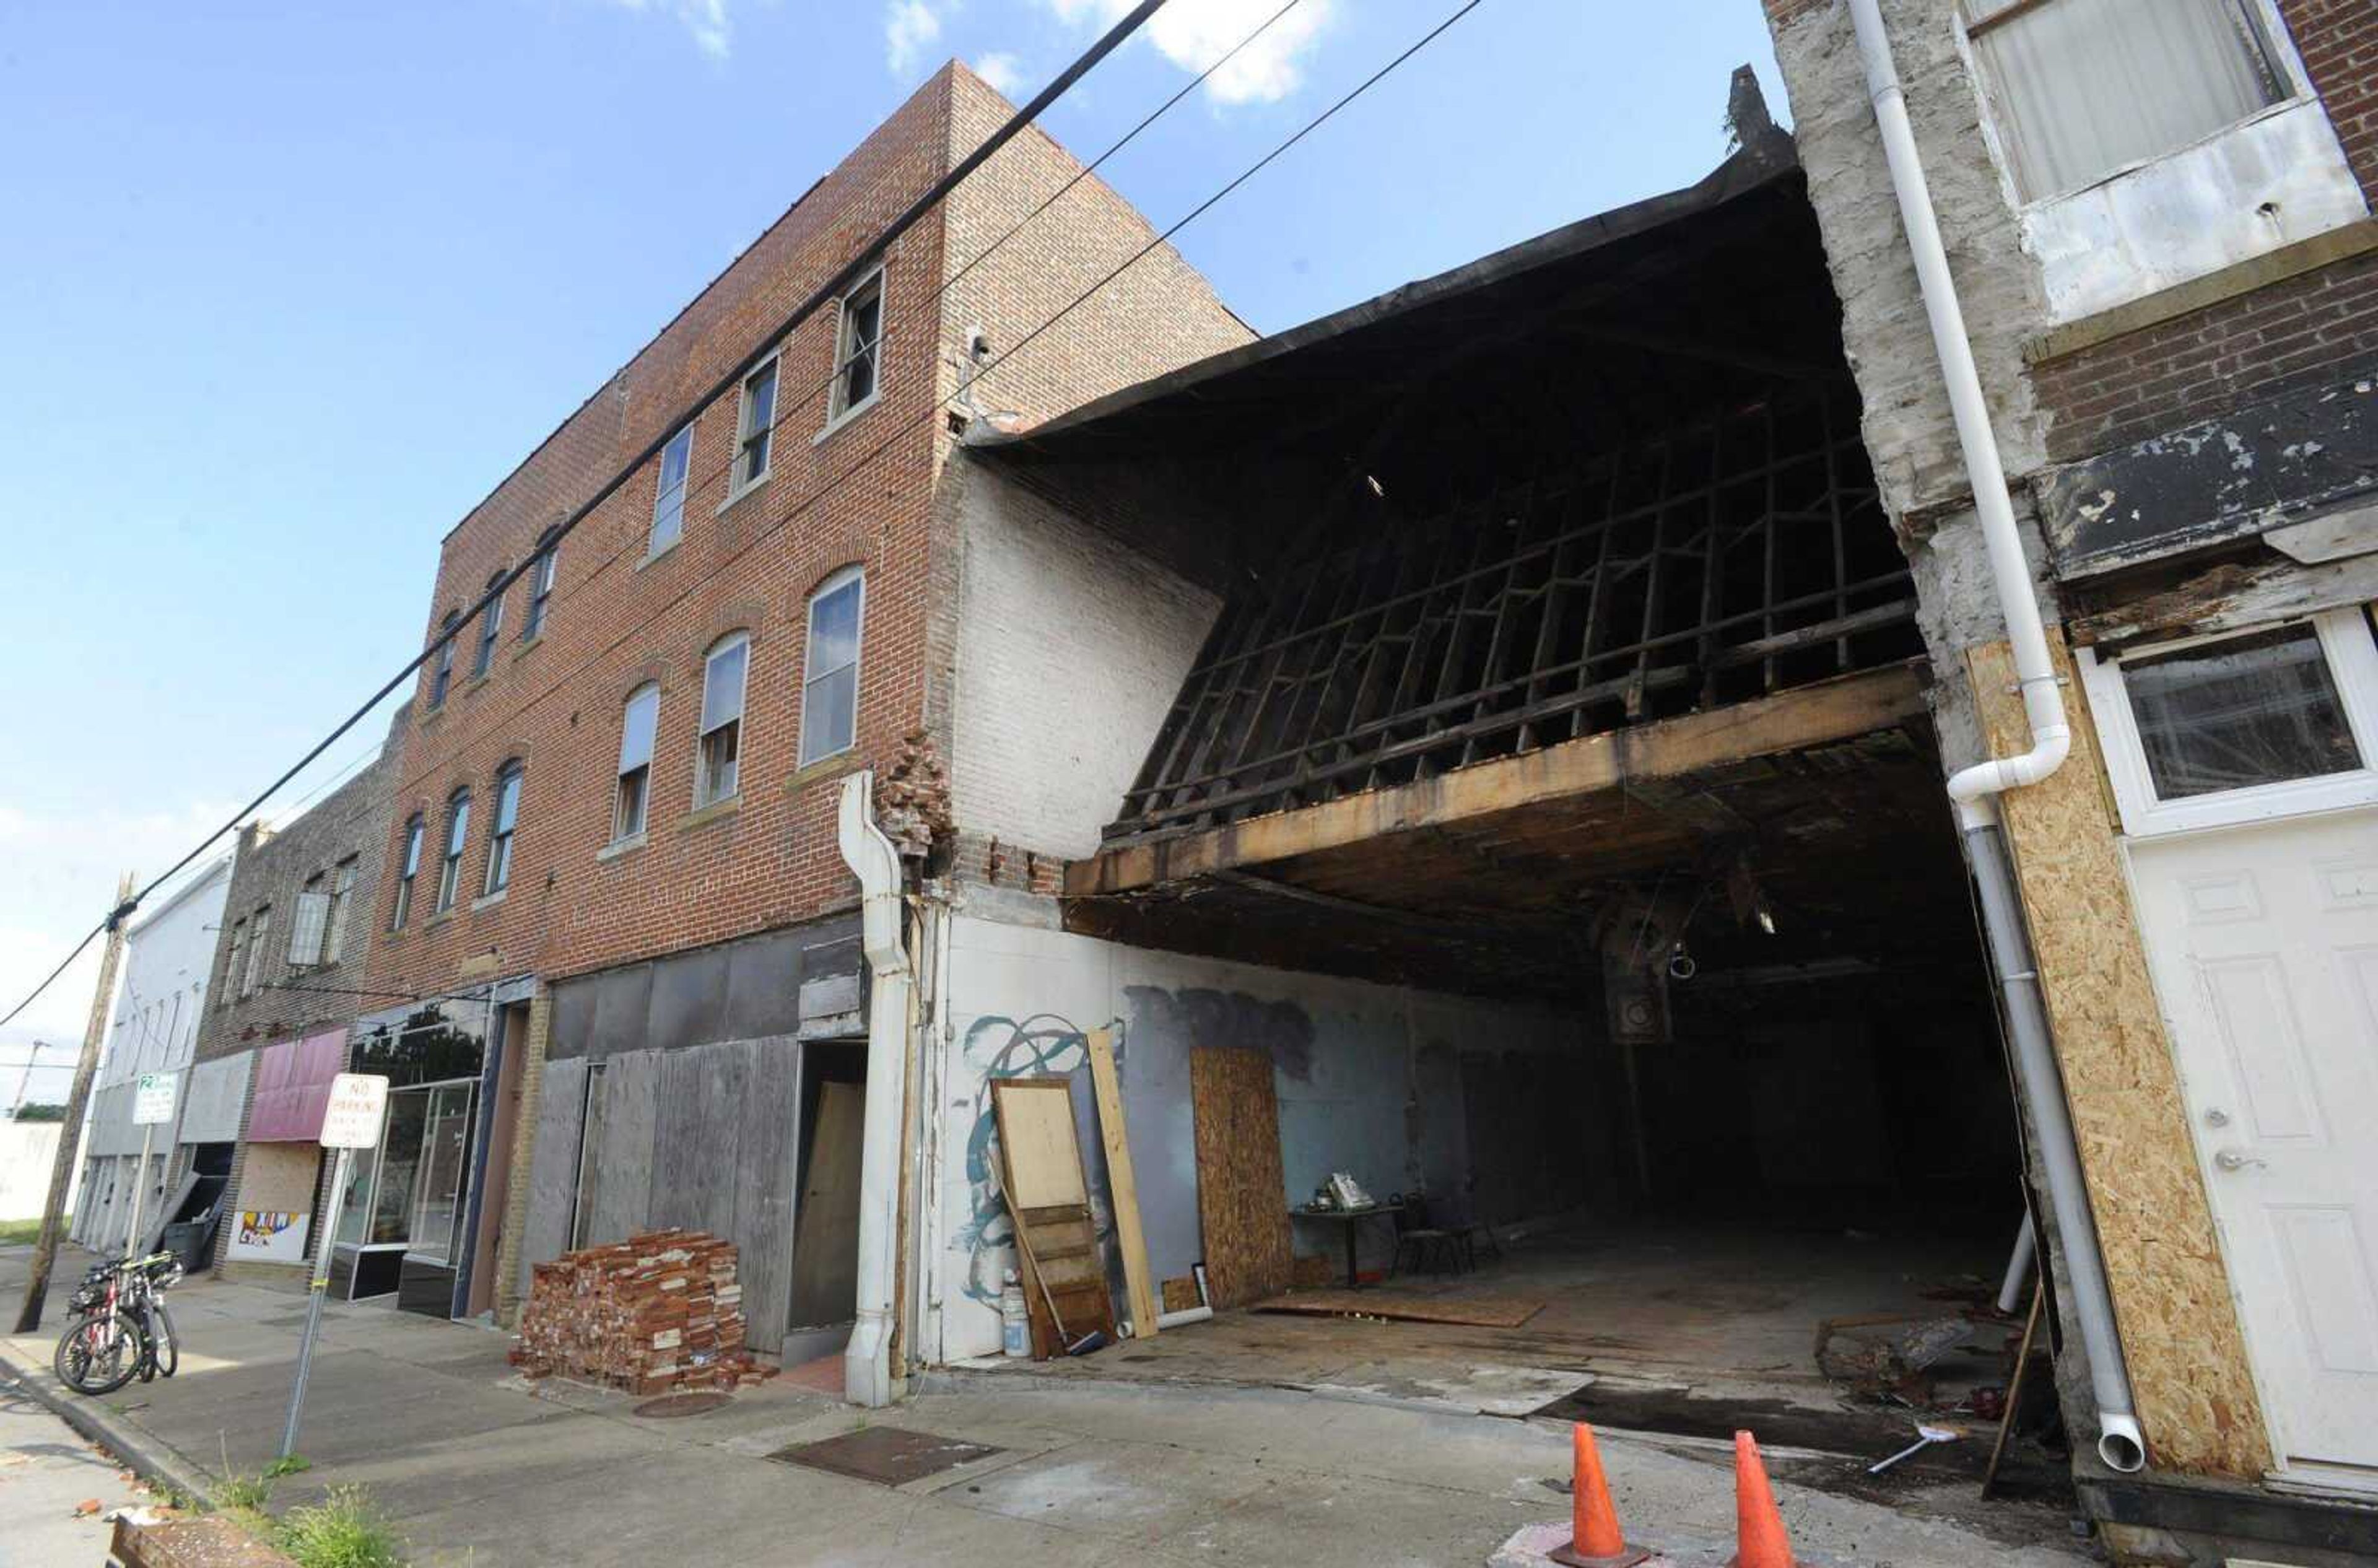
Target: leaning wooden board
(1061, 1262)
(1123, 1184)
(1242, 1196)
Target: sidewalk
(479, 1467)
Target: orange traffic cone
(1759, 1541)
(1595, 1539)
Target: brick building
(613, 874)
(2158, 221)
(289, 960)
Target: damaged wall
(1370, 1080)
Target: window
(755, 426)
(307, 926)
(637, 723)
(540, 585)
(458, 833)
(408, 867)
(441, 669)
(722, 719)
(856, 339)
(830, 679)
(2081, 88)
(491, 625)
(259, 939)
(335, 920)
(500, 826)
(236, 968)
(668, 500)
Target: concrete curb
(143, 1455)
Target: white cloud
(910, 29)
(1002, 71)
(1193, 34)
(705, 20)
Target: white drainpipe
(1974, 789)
(867, 1361)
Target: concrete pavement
(47, 1469)
(477, 1464)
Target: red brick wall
(2296, 331)
(2338, 41)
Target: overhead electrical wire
(848, 275)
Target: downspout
(1974, 789)
(867, 1360)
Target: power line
(850, 273)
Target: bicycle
(119, 1328)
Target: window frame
(441, 667)
(260, 937)
(2345, 640)
(491, 630)
(502, 829)
(408, 868)
(840, 410)
(835, 583)
(621, 833)
(654, 545)
(343, 890)
(451, 852)
(541, 567)
(235, 963)
(704, 793)
(741, 484)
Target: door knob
(2230, 1159)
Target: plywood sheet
(2187, 1355)
(553, 1165)
(1035, 1135)
(1122, 1183)
(1482, 1312)
(763, 1191)
(825, 1245)
(1241, 1195)
(623, 1184)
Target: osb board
(1480, 1312)
(1179, 1295)
(1242, 1195)
(2187, 1356)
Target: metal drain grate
(673, 1404)
(887, 1455)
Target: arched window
(491, 625)
(441, 668)
(638, 719)
(720, 747)
(458, 833)
(830, 671)
(501, 824)
(408, 868)
(540, 584)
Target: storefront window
(400, 1164)
(351, 1202)
(445, 1142)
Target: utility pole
(26, 1080)
(45, 1250)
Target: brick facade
(2338, 41)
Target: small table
(1353, 1220)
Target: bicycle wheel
(96, 1354)
(168, 1344)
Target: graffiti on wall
(1043, 1045)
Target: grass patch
(25, 1232)
(347, 1529)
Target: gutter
(867, 1372)
(1975, 790)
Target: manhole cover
(888, 1455)
(672, 1404)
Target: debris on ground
(656, 1313)
(1886, 1353)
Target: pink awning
(293, 1085)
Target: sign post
(351, 1121)
(152, 1102)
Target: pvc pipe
(867, 1360)
(1973, 789)
(1185, 1315)
(2018, 1269)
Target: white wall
(1070, 650)
(27, 1149)
(1348, 1066)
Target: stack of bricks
(658, 1313)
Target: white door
(2264, 940)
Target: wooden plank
(1122, 1186)
(679, 1160)
(553, 1165)
(623, 1192)
(1036, 1131)
(724, 1080)
(763, 1189)
(1812, 715)
(825, 1233)
(2232, 596)
(1479, 1310)
(1241, 1195)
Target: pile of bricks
(658, 1314)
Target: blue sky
(288, 288)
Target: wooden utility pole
(45, 1250)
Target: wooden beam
(1810, 715)
(2230, 596)
(1122, 1185)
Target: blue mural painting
(1043, 1045)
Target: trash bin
(186, 1240)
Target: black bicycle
(118, 1328)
